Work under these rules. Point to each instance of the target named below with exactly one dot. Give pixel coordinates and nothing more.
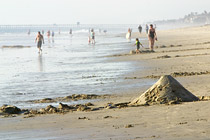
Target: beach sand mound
(166, 90)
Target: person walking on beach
(147, 28)
(140, 29)
(152, 37)
(138, 45)
(39, 39)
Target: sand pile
(166, 90)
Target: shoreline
(184, 53)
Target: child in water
(89, 39)
(138, 45)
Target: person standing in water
(152, 37)
(92, 36)
(48, 36)
(140, 29)
(39, 39)
(70, 31)
(53, 34)
(147, 28)
(130, 31)
(128, 35)
(29, 32)
(89, 36)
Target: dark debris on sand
(73, 97)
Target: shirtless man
(39, 39)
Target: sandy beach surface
(183, 53)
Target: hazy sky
(96, 11)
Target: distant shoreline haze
(96, 11)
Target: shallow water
(67, 66)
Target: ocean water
(68, 64)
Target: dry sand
(183, 51)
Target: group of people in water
(150, 31)
(40, 38)
(152, 37)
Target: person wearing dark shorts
(92, 36)
(39, 39)
(39, 44)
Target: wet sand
(182, 52)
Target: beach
(183, 53)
